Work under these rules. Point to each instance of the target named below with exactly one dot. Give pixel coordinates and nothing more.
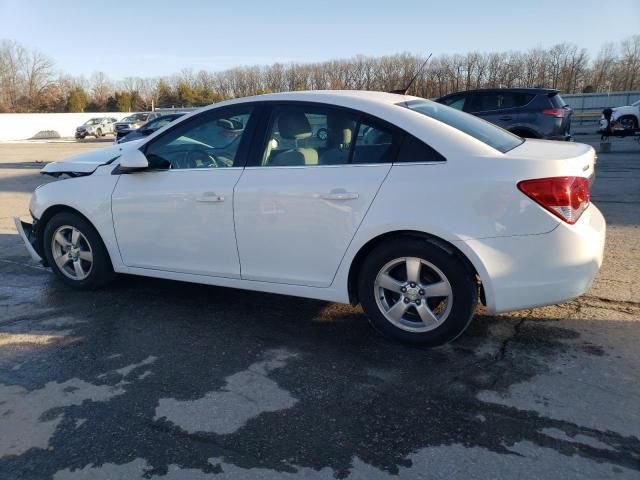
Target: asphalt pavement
(166, 380)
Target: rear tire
(416, 292)
(98, 133)
(76, 253)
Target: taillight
(556, 112)
(565, 197)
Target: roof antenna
(403, 91)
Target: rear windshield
(486, 132)
(557, 101)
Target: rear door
(300, 203)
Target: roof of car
(535, 91)
(324, 96)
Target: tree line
(30, 82)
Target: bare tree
(27, 82)
(101, 88)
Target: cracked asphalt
(165, 380)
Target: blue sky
(145, 38)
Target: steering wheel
(202, 158)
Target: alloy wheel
(413, 294)
(72, 252)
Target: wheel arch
(48, 215)
(448, 247)
(632, 115)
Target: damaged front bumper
(28, 233)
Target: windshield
(636, 103)
(158, 123)
(486, 132)
(136, 117)
(93, 121)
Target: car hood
(626, 110)
(87, 163)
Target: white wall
(21, 126)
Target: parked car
(627, 117)
(436, 209)
(127, 134)
(135, 120)
(95, 127)
(526, 112)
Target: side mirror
(133, 159)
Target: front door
(178, 215)
(298, 208)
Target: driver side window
(209, 140)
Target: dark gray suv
(527, 112)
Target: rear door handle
(505, 117)
(339, 196)
(210, 197)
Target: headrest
(340, 129)
(294, 125)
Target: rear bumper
(537, 270)
(28, 234)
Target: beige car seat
(293, 125)
(340, 131)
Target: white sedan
(406, 206)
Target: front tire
(628, 121)
(416, 292)
(75, 252)
(98, 133)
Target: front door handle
(505, 117)
(210, 197)
(339, 196)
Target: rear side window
(416, 151)
(303, 135)
(477, 128)
(374, 144)
(483, 102)
(522, 99)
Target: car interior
(292, 143)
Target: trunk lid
(578, 158)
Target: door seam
(359, 225)
(235, 228)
